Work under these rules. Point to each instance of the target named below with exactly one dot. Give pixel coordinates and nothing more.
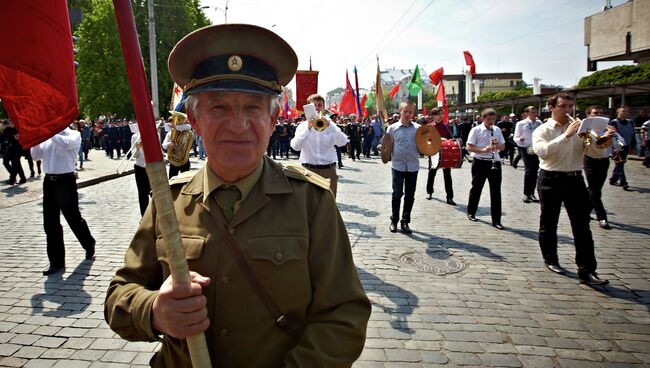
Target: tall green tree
(101, 75)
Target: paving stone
(40, 363)
(29, 352)
(402, 355)
(499, 360)
(373, 355)
(464, 358)
(12, 362)
(433, 357)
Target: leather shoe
(625, 187)
(392, 227)
(405, 227)
(451, 201)
(471, 217)
(499, 226)
(53, 269)
(592, 279)
(604, 224)
(556, 268)
(527, 199)
(430, 196)
(533, 198)
(90, 253)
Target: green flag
(370, 102)
(415, 84)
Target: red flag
(442, 97)
(436, 77)
(37, 79)
(394, 91)
(364, 111)
(285, 105)
(334, 107)
(469, 60)
(348, 102)
(424, 110)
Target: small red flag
(394, 91)
(364, 111)
(436, 77)
(442, 97)
(37, 78)
(469, 60)
(424, 110)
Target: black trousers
(596, 173)
(174, 170)
(144, 188)
(355, 148)
(403, 185)
(555, 190)
(531, 167)
(431, 177)
(482, 170)
(12, 163)
(60, 196)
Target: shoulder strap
(300, 173)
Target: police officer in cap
(233, 74)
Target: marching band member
(524, 140)
(484, 142)
(560, 181)
(170, 146)
(141, 178)
(445, 134)
(317, 152)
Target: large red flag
(469, 60)
(37, 79)
(436, 76)
(364, 111)
(394, 91)
(348, 102)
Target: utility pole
(153, 63)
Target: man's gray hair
(192, 104)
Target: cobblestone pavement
(501, 309)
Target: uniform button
(224, 332)
(231, 231)
(225, 279)
(279, 256)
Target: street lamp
(224, 10)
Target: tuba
(183, 140)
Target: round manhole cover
(440, 263)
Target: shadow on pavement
(356, 209)
(68, 293)
(634, 296)
(11, 191)
(437, 244)
(404, 300)
(349, 181)
(630, 228)
(534, 235)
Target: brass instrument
(182, 140)
(427, 140)
(321, 122)
(592, 137)
(128, 156)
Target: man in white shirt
(524, 140)
(484, 143)
(59, 155)
(560, 152)
(317, 152)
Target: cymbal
(427, 140)
(386, 148)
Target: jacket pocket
(278, 249)
(193, 246)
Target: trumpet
(591, 136)
(321, 122)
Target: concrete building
(618, 33)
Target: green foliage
(502, 95)
(616, 75)
(101, 75)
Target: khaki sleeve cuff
(143, 314)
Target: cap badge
(234, 63)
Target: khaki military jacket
(293, 237)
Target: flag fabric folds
(379, 96)
(356, 89)
(306, 85)
(37, 77)
(285, 104)
(394, 91)
(442, 98)
(348, 102)
(469, 60)
(370, 100)
(364, 111)
(415, 84)
(436, 77)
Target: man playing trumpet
(560, 149)
(316, 143)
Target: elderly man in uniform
(233, 74)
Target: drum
(451, 154)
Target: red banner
(37, 77)
(306, 85)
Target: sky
(540, 38)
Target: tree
(616, 75)
(502, 95)
(101, 75)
